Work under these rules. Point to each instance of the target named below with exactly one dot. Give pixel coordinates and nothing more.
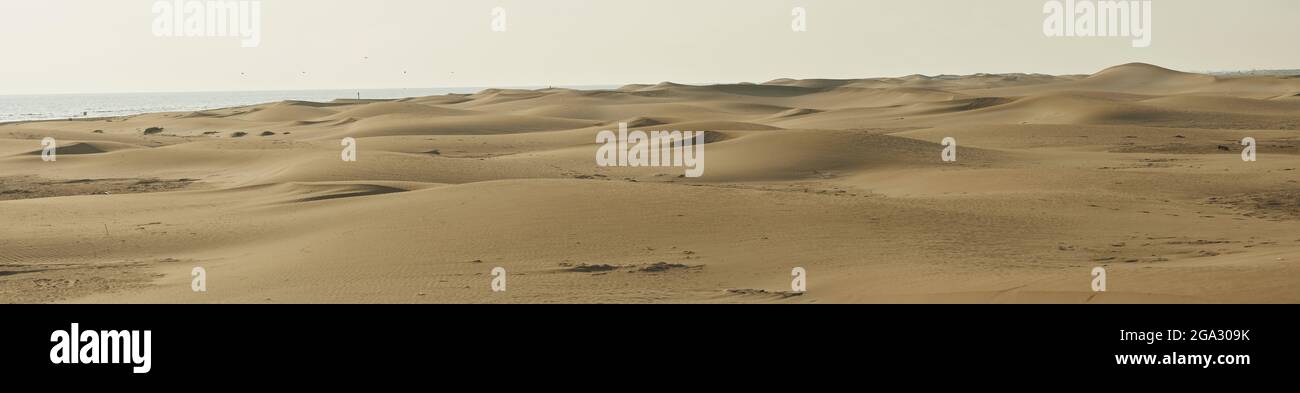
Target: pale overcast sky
(89, 46)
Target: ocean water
(71, 106)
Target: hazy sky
(76, 46)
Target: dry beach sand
(1135, 168)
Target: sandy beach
(1136, 168)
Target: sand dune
(1135, 168)
(79, 148)
(285, 111)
